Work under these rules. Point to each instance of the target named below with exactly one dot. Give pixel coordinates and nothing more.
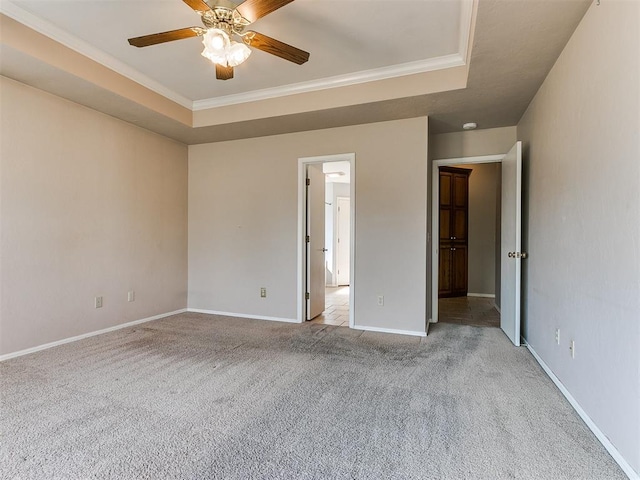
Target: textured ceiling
(515, 44)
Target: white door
(315, 241)
(510, 261)
(343, 240)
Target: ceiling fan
(223, 21)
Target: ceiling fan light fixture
(237, 53)
(221, 50)
(216, 42)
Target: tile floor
(476, 311)
(336, 307)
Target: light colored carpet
(197, 396)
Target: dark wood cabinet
(454, 210)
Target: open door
(511, 238)
(315, 282)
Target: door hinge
(308, 181)
(306, 296)
(306, 239)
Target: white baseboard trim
(27, 351)
(481, 295)
(390, 330)
(606, 443)
(243, 315)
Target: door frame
(302, 220)
(435, 217)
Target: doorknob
(512, 254)
(325, 249)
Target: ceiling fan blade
(252, 10)
(224, 73)
(277, 48)
(163, 37)
(198, 5)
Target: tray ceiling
(345, 39)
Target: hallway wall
(243, 214)
(582, 229)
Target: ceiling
(370, 61)
(337, 172)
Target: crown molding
(466, 21)
(384, 73)
(55, 33)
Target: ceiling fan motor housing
(225, 19)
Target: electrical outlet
(380, 300)
(98, 302)
(557, 336)
(572, 348)
(263, 292)
(131, 296)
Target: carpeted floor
(196, 396)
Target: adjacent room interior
(168, 309)
(337, 243)
(469, 250)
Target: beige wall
(483, 196)
(582, 174)
(472, 143)
(243, 214)
(90, 206)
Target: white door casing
(343, 240)
(511, 243)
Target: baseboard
(606, 443)
(390, 330)
(481, 295)
(27, 351)
(243, 315)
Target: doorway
(326, 260)
(469, 237)
(507, 250)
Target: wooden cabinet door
(445, 279)
(446, 191)
(453, 222)
(459, 271)
(452, 277)
(460, 207)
